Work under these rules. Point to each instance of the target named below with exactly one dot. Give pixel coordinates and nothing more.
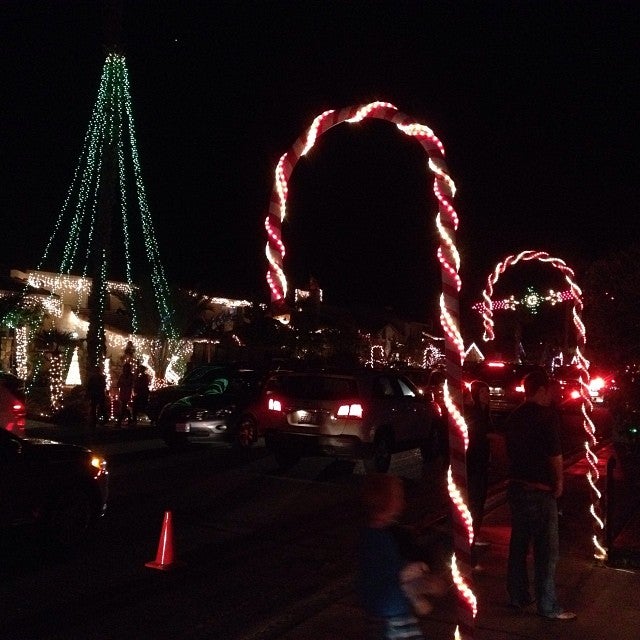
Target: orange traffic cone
(164, 558)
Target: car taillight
(520, 388)
(18, 420)
(575, 394)
(497, 365)
(596, 384)
(275, 404)
(350, 410)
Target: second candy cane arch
(593, 474)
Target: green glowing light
(110, 141)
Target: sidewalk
(606, 599)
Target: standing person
(129, 354)
(97, 393)
(125, 392)
(140, 392)
(535, 484)
(388, 609)
(479, 423)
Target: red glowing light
(350, 410)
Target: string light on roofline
(225, 302)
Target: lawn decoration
(447, 224)
(532, 300)
(593, 475)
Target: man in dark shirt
(535, 484)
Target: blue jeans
(534, 521)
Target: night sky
(536, 103)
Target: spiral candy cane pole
(593, 475)
(448, 256)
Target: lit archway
(447, 253)
(593, 475)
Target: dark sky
(536, 103)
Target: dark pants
(534, 522)
(477, 486)
(98, 411)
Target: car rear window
(504, 375)
(224, 384)
(315, 387)
(203, 375)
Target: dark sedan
(225, 413)
(61, 488)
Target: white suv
(365, 415)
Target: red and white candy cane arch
(447, 224)
(593, 475)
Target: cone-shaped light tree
(104, 230)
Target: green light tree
(104, 225)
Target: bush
(75, 408)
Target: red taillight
(597, 384)
(350, 411)
(495, 364)
(18, 407)
(575, 394)
(275, 404)
(520, 388)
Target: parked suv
(364, 415)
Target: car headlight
(99, 463)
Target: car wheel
(246, 433)
(70, 518)
(380, 460)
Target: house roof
(9, 284)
